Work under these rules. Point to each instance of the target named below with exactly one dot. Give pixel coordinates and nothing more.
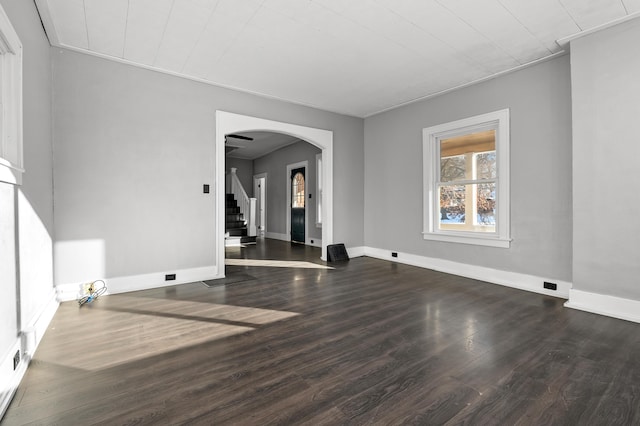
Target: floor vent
(336, 253)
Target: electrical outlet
(550, 286)
(170, 277)
(16, 359)
(394, 254)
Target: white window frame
(431, 137)
(318, 190)
(11, 157)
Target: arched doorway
(226, 123)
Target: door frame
(227, 122)
(256, 178)
(300, 164)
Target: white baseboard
(509, 279)
(611, 306)
(317, 242)
(277, 236)
(356, 251)
(10, 378)
(314, 242)
(27, 343)
(34, 331)
(115, 285)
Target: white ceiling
(357, 57)
(263, 143)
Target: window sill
(10, 173)
(478, 240)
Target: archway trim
(227, 122)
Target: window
(466, 179)
(319, 190)
(298, 191)
(10, 103)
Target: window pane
(458, 153)
(452, 204)
(452, 168)
(486, 204)
(457, 205)
(486, 165)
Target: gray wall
(35, 200)
(32, 203)
(606, 123)
(133, 148)
(539, 100)
(275, 165)
(244, 172)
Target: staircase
(235, 225)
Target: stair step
(235, 224)
(237, 232)
(248, 240)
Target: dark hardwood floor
(369, 342)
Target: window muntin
(466, 178)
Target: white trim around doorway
(261, 232)
(227, 122)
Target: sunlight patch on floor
(130, 329)
(275, 263)
(198, 310)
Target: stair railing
(247, 205)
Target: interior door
(259, 191)
(297, 205)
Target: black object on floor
(336, 253)
(232, 278)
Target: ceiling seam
(86, 24)
(570, 15)
(543, 44)
(479, 32)
(223, 54)
(625, 7)
(126, 28)
(204, 29)
(471, 61)
(164, 31)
